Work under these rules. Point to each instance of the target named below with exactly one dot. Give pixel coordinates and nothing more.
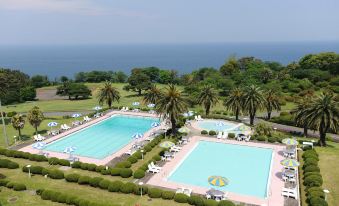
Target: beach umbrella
(137, 136)
(151, 105)
(39, 145)
(52, 124)
(218, 181)
(135, 103)
(290, 141)
(97, 108)
(76, 115)
(167, 144)
(290, 163)
(155, 124)
(184, 130)
(70, 149)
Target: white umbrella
(155, 124)
(136, 103)
(151, 105)
(39, 145)
(76, 115)
(52, 124)
(137, 136)
(97, 108)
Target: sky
(175, 21)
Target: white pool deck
(275, 184)
(103, 161)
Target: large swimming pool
(246, 168)
(104, 138)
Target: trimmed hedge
(13, 185)
(154, 193)
(204, 132)
(212, 133)
(72, 177)
(139, 173)
(181, 198)
(115, 186)
(5, 163)
(226, 203)
(84, 180)
(126, 172)
(95, 181)
(128, 188)
(167, 195)
(196, 200)
(19, 187)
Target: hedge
(5, 163)
(13, 185)
(167, 195)
(72, 177)
(126, 172)
(154, 193)
(212, 132)
(19, 187)
(204, 132)
(313, 181)
(196, 200)
(181, 198)
(103, 184)
(210, 203)
(317, 201)
(226, 203)
(53, 173)
(127, 188)
(139, 173)
(84, 180)
(231, 135)
(138, 189)
(115, 186)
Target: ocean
(55, 61)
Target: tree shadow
(133, 95)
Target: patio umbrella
(136, 103)
(52, 124)
(155, 124)
(137, 136)
(70, 149)
(151, 105)
(218, 181)
(167, 144)
(76, 115)
(97, 108)
(290, 163)
(290, 141)
(214, 192)
(39, 146)
(184, 130)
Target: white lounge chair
(123, 109)
(219, 135)
(292, 193)
(38, 138)
(155, 166)
(67, 127)
(199, 118)
(225, 135)
(126, 109)
(131, 151)
(187, 191)
(180, 190)
(308, 144)
(153, 170)
(175, 149)
(196, 118)
(248, 138)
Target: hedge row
(5, 163)
(212, 133)
(13, 185)
(64, 198)
(313, 179)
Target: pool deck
(103, 161)
(275, 183)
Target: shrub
(261, 138)
(138, 189)
(105, 172)
(115, 171)
(128, 188)
(310, 161)
(226, 203)
(231, 135)
(313, 181)
(95, 181)
(19, 187)
(154, 193)
(55, 174)
(76, 164)
(84, 180)
(4, 163)
(91, 167)
(4, 182)
(204, 132)
(132, 159)
(123, 164)
(181, 198)
(53, 161)
(62, 198)
(126, 172)
(317, 201)
(137, 155)
(72, 177)
(311, 168)
(196, 200)
(156, 157)
(311, 173)
(212, 132)
(10, 185)
(103, 184)
(64, 162)
(36, 169)
(115, 186)
(100, 168)
(84, 166)
(210, 203)
(272, 139)
(147, 148)
(167, 195)
(139, 173)
(315, 192)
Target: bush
(210, 203)
(311, 173)
(84, 180)
(212, 133)
(53, 161)
(137, 155)
(310, 161)
(226, 203)
(84, 166)
(123, 164)
(10, 185)
(76, 164)
(115, 186)
(231, 135)
(126, 172)
(36, 169)
(261, 138)
(4, 182)
(147, 148)
(19, 187)
(272, 139)
(128, 188)
(317, 201)
(313, 181)
(311, 168)
(103, 184)
(315, 192)
(95, 181)
(4, 163)
(196, 200)
(63, 162)
(91, 167)
(100, 168)
(181, 198)
(156, 158)
(154, 193)
(167, 195)
(72, 177)
(132, 159)
(138, 189)
(115, 171)
(204, 132)
(55, 174)
(139, 173)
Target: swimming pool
(246, 168)
(104, 138)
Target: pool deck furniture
(85, 125)
(275, 183)
(291, 193)
(308, 144)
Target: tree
(207, 97)
(266, 74)
(322, 114)
(119, 77)
(271, 103)
(64, 79)
(327, 61)
(263, 129)
(39, 81)
(28, 93)
(138, 81)
(171, 104)
(152, 95)
(253, 101)
(299, 113)
(74, 90)
(230, 67)
(18, 123)
(234, 101)
(108, 94)
(35, 117)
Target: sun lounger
(248, 138)
(175, 149)
(292, 193)
(131, 151)
(153, 170)
(67, 127)
(155, 166)
(225, 135)
(219, 135)
(126, 109)
(199, 118)
(38, 137)
(187, 191)
(123, 109)
(196, 118)
(308, 144)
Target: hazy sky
(172, 21)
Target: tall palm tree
(208, 97)
(18, 123)
(323, 114)
(171, 104)
(108, 94)
(299, 113)
(35, 117)
(152, 95)
(272, 102)
(253, 101)
(234, 101)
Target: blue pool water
(212, 125)
(104, 138)
(246, 168)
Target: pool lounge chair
(291, 193)
(131, 151)
(153, 170)
(187, 192)
(199, 118)
(175, 149)
(38, 138)
(87, 119)
(135, 110)
(155, 166)
(196, 118)
(219, 135)
(123, 109)
(248, 138)
(225, 135)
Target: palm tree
(299, 114)
(35, 117)
(272, 102)
(152, 95)
(322, 114)
(208, 97)
(234, 101)
(253, 101)
(108, 94)
(171, 104)
(18, 123)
